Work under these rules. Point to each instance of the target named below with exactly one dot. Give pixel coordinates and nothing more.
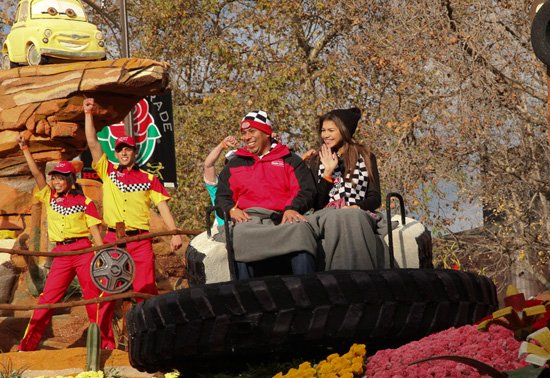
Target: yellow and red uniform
(69, 220)
(127, 197)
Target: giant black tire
(540, 33)
(328, 309)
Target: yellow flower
(174, 374)
(90, 374)
(359, 349)
(345, 370)
(325, 369)
(335, 366)
(357, 368)
(339, 362)
(332, 357)
(310, 373)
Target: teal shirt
(212, 189)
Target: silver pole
(125, 53)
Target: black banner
(154, 135)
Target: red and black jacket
(279, 181)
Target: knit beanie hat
(350, 118)
(257, 119)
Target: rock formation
(44, 103)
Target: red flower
(141, 118)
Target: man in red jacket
(266, 189)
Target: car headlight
(99, 36)
(45, 40)
(47, 33)
(101, 44)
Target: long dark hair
(350, 148)
(70, 178)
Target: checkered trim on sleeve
(66, 210)
(128, 188)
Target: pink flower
(497, 348)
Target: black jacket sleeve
(307, 192)
(323, 186)
(224, 194)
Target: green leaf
(530, 371)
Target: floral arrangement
(349, 365)
(520, 315)
(113, 373)
(497, 348)
(513, 340)
(465, 352)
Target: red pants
(62, 273)
(144, 280)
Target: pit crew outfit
(69, 219)
(265, 187)
(127, 196)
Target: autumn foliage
(454, 102)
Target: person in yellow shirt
(72, 218)
(127, 196)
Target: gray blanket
(338, 238)
(348, 240)
(263, 237)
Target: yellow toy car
(51, 31)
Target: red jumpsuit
(69, 219)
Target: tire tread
(293, 312)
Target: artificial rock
(44, 103)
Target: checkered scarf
(353, 191)
(274, 143)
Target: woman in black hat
(346, 171)
(348, 195)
